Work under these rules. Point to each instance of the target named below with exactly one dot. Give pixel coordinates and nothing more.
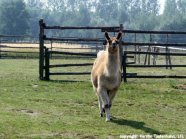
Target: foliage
(174, 18)
(134, 14)
(14, 17)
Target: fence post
(97, 48)
(168, 58)
(47, 63)
(168, 55)
(146, 55)
(135, 48)
(41, 49)
(150, 50)
(121, 46)
(139, 50)
(170, 62)
(0, 49)
(124, 67)
(51, 47)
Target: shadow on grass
(136, 125)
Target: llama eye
(117, 42)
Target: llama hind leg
(100, 106)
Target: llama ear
(107, 36)
(119, 35)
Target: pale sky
(162, 3)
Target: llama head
(113, 42)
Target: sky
(162, 3)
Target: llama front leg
(107, 111)
(111, 95)
(105, 102)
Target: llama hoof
(101, 114)
(107, 118)
(103, 110)
(110, 105)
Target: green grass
(30, 108)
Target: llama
(106, 74)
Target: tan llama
(106, 74)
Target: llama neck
(112, 64)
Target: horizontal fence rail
(155, 53)
(153, 32)
(71, 53)
(70, 65)
(155, 44)
(70, 73)
(157, 76)
(154, 66)
(75, 39)
(88, 48)
(84, 28)
(15, 36)
(18, 52)
(2, 46)
(5, 42)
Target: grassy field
(30, 108)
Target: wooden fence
(45, 53)
(167, 46)
(134, 75)
(13, 46)
(7, 51)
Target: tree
(153, 7)
(36, 10)
(14, 17)
(181, 6)
(174, 19)
(34, 4)
(124, 11)
(170, 8)
(84, 16)
(107, 10)
(173, 14)
(56, 5)
(149, 14)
